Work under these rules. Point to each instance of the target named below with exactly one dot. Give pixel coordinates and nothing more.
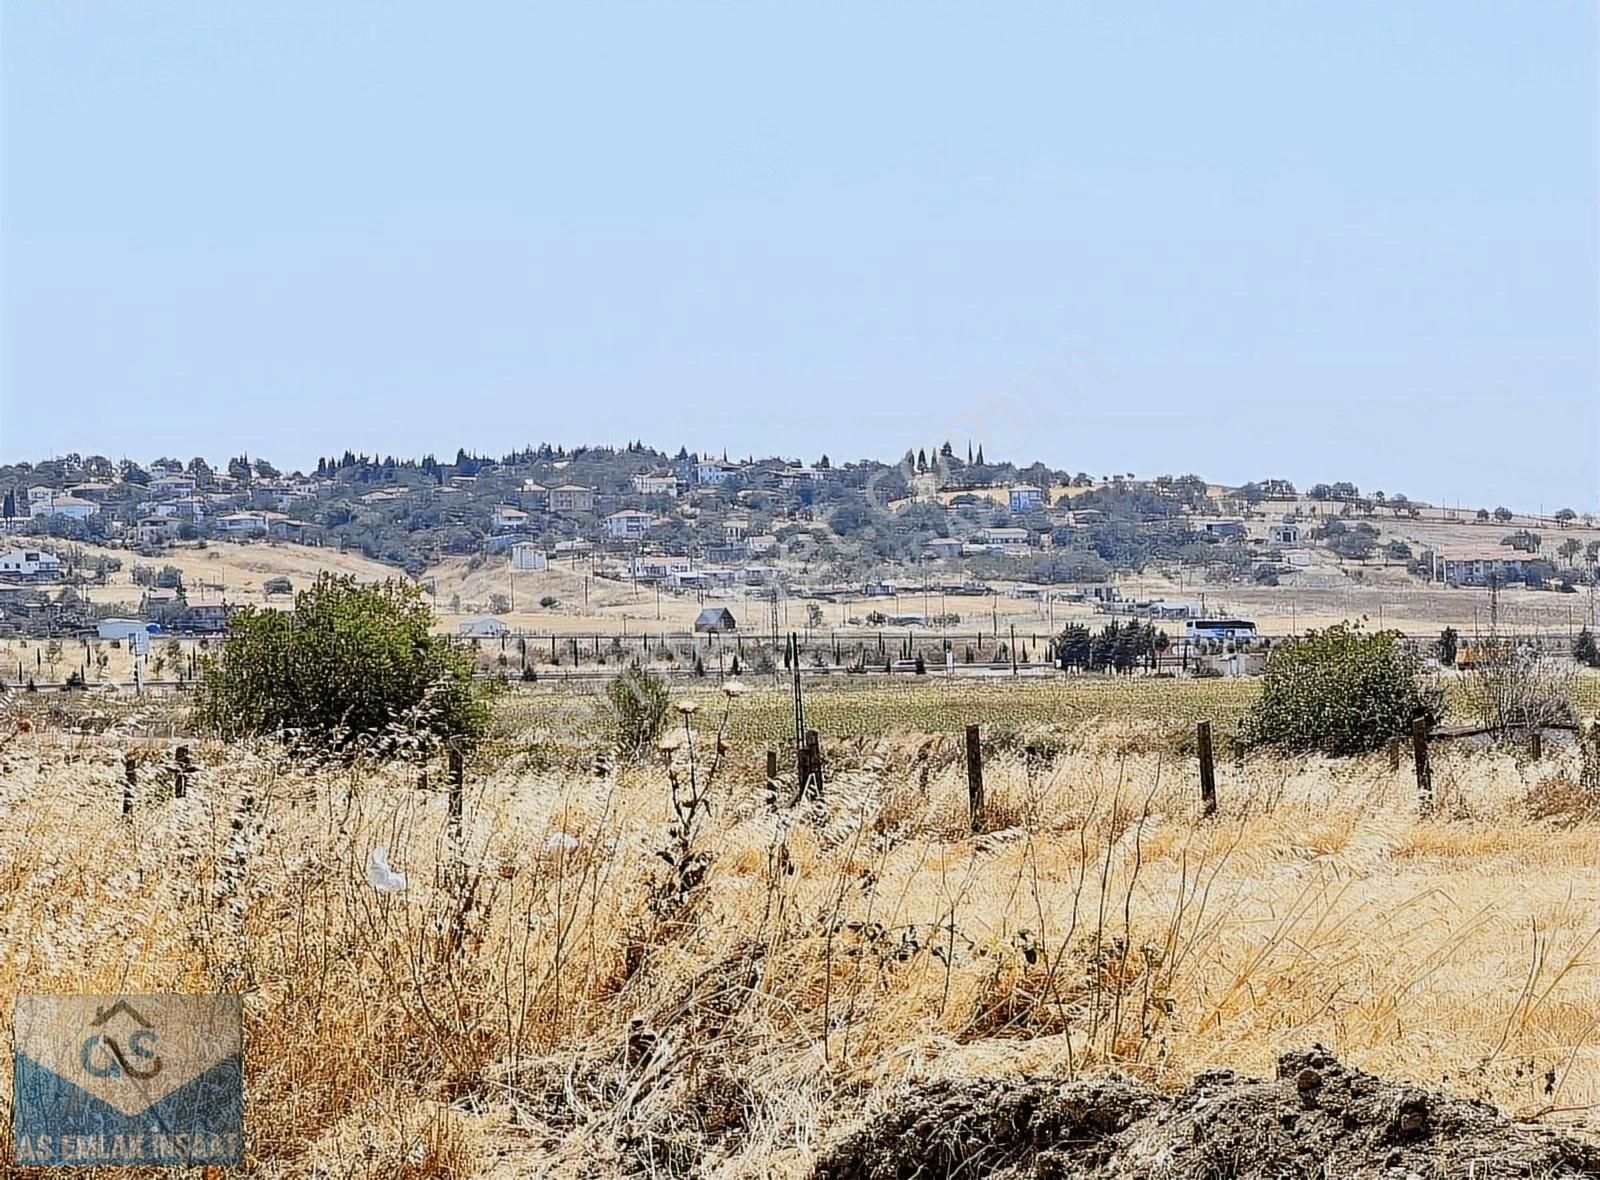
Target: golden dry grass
(525, 1007)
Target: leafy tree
(1585, 650)
(350, 662)
(1570, 548)
(1483, 514)
(1565, 517)
(1339, 691)
(1503, 514)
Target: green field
(850, 709)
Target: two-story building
(655, 485)
(508, 518)
(1478, 565)
(63, 505)
(711, 472)
(629, 524)
(171, 486)
(1026, 498)
(571, 497)
(242, 524)
(29, 565)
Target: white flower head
(735, 688)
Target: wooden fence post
(1419, 753)
(1394, 753)
(1208, 773)
(1535, 744)
(181, 767)
(130, 782)
(1589, 749)
(772, 766)
(458, 777)
(974, 778)
(813, 763)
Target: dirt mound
(1317, 1118)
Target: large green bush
(351, 662)
(1339, 691)
(639, 700)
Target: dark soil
(1317, 1118)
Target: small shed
(715, 620)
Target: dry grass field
(584, 604)
(588, 982)
(238, 571)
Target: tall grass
(548, 996)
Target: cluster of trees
(1118, 647)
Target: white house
(652, 566)
(734, 530)
(1284, 534)
(40, 494)
(172, 485)
(1026, 498)
(63, 505)
(571, 497)
(155, 529)
(239, 524)
(628, 525)
(794, 477)
(712, 472)
(34, 565)
(655, 485)
(943, 547)
(122, 629)
(527, 556)
(757, 546)
(1004, 539)
(484, 628)
(508, 517)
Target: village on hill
(602, 541)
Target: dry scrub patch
(535, 1001)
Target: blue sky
(1328, 241)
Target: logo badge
(141, 1079)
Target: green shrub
(1339, 691)
(639, 702)
(349, 663)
